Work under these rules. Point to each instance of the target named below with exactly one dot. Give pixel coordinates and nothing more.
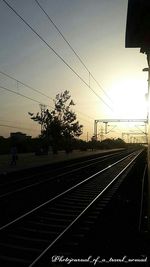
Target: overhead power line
(60, 57)
(62, 35)
(17, 93)
(73, 50)
(26, 85)
(7, 75)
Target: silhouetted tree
(59, 124)
(112, 143)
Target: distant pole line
(68, 43)
(60, 57)
(24, 84)
(84, 120)
(17, 127)
(85, 115)
(13, 122)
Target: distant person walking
(14, 156)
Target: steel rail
(83, 212)
(63, 193)
(32, 229)
(96, 160)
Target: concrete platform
(30, 160)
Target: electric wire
(73, 50)
(56, 53)
(24, 84)
(17, 93)
(28, 86)
(24, 128)
(34, 90)
(27, 97)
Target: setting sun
(129, 100)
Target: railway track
(12, 184)
(19, 194)
(29, 239)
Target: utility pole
(87, 137)
(42, 108)
(101, 134)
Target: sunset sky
(96, 31)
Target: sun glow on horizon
(129, 100)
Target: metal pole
(148, 59)
(42, 107)
(87, 137)
(95, 129)
(106, 124)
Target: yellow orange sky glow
(96, 31)
(129, 99)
